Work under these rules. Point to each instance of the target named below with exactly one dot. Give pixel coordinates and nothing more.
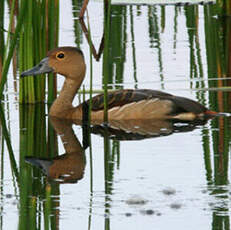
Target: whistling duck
(125, 104)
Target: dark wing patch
(122, 97)
(118, 98)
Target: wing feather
(125, 97)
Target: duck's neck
(63, 104)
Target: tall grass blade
(38, 35)
(53, 22)
(8, 143)
(107, 23)
(12, 46)
(2, 3)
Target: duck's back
(144, 104)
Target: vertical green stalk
(175, 28)
(162, 22)
(2, 178)
(26, 42)
(11, 22)
(76, 6)
(107, 180)
(1, 36)
(32, 213)
(8, 143)
(91, 183)
(47, 208)
(12, 46)
(39, 34)
(107, 17)
(22, 82)
(228, 7)
(29, 51)
(39, 46)
(33, 143)
(91, 69)
(89, 122)
(207, 156)
(53, 13)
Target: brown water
(177, 181)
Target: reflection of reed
(216, 38)
(8, 144)
(196, 67)
(221, 168)
(117, 45)
(32, 187)
(109, 167)
(175, 28)
(155, 38)
(133, 47)
(76, 4)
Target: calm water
(177, 181)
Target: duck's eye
(60, 55)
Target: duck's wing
(123, 97)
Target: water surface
(179, 180)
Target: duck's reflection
(142, 129)
(68, 167)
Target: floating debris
(128, 214)
(9, 196)
(169, 191)
(175, 205)
(136, 200)
(147, 212)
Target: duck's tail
(211, 113)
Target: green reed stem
(40, 33)
(47, 208)
(22, 82)
(107, 16)
(29, 51)
(12, 46)
(32, 212)
(89, 121)
(163, 17)
(91, 69)
(24, 194)
(39, 46)
(53, 9)
(10, 24)
(107, 179)
(2, 50)
(8, 143)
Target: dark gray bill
(42, 67)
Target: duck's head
(67, 61)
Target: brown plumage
(123, 104)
